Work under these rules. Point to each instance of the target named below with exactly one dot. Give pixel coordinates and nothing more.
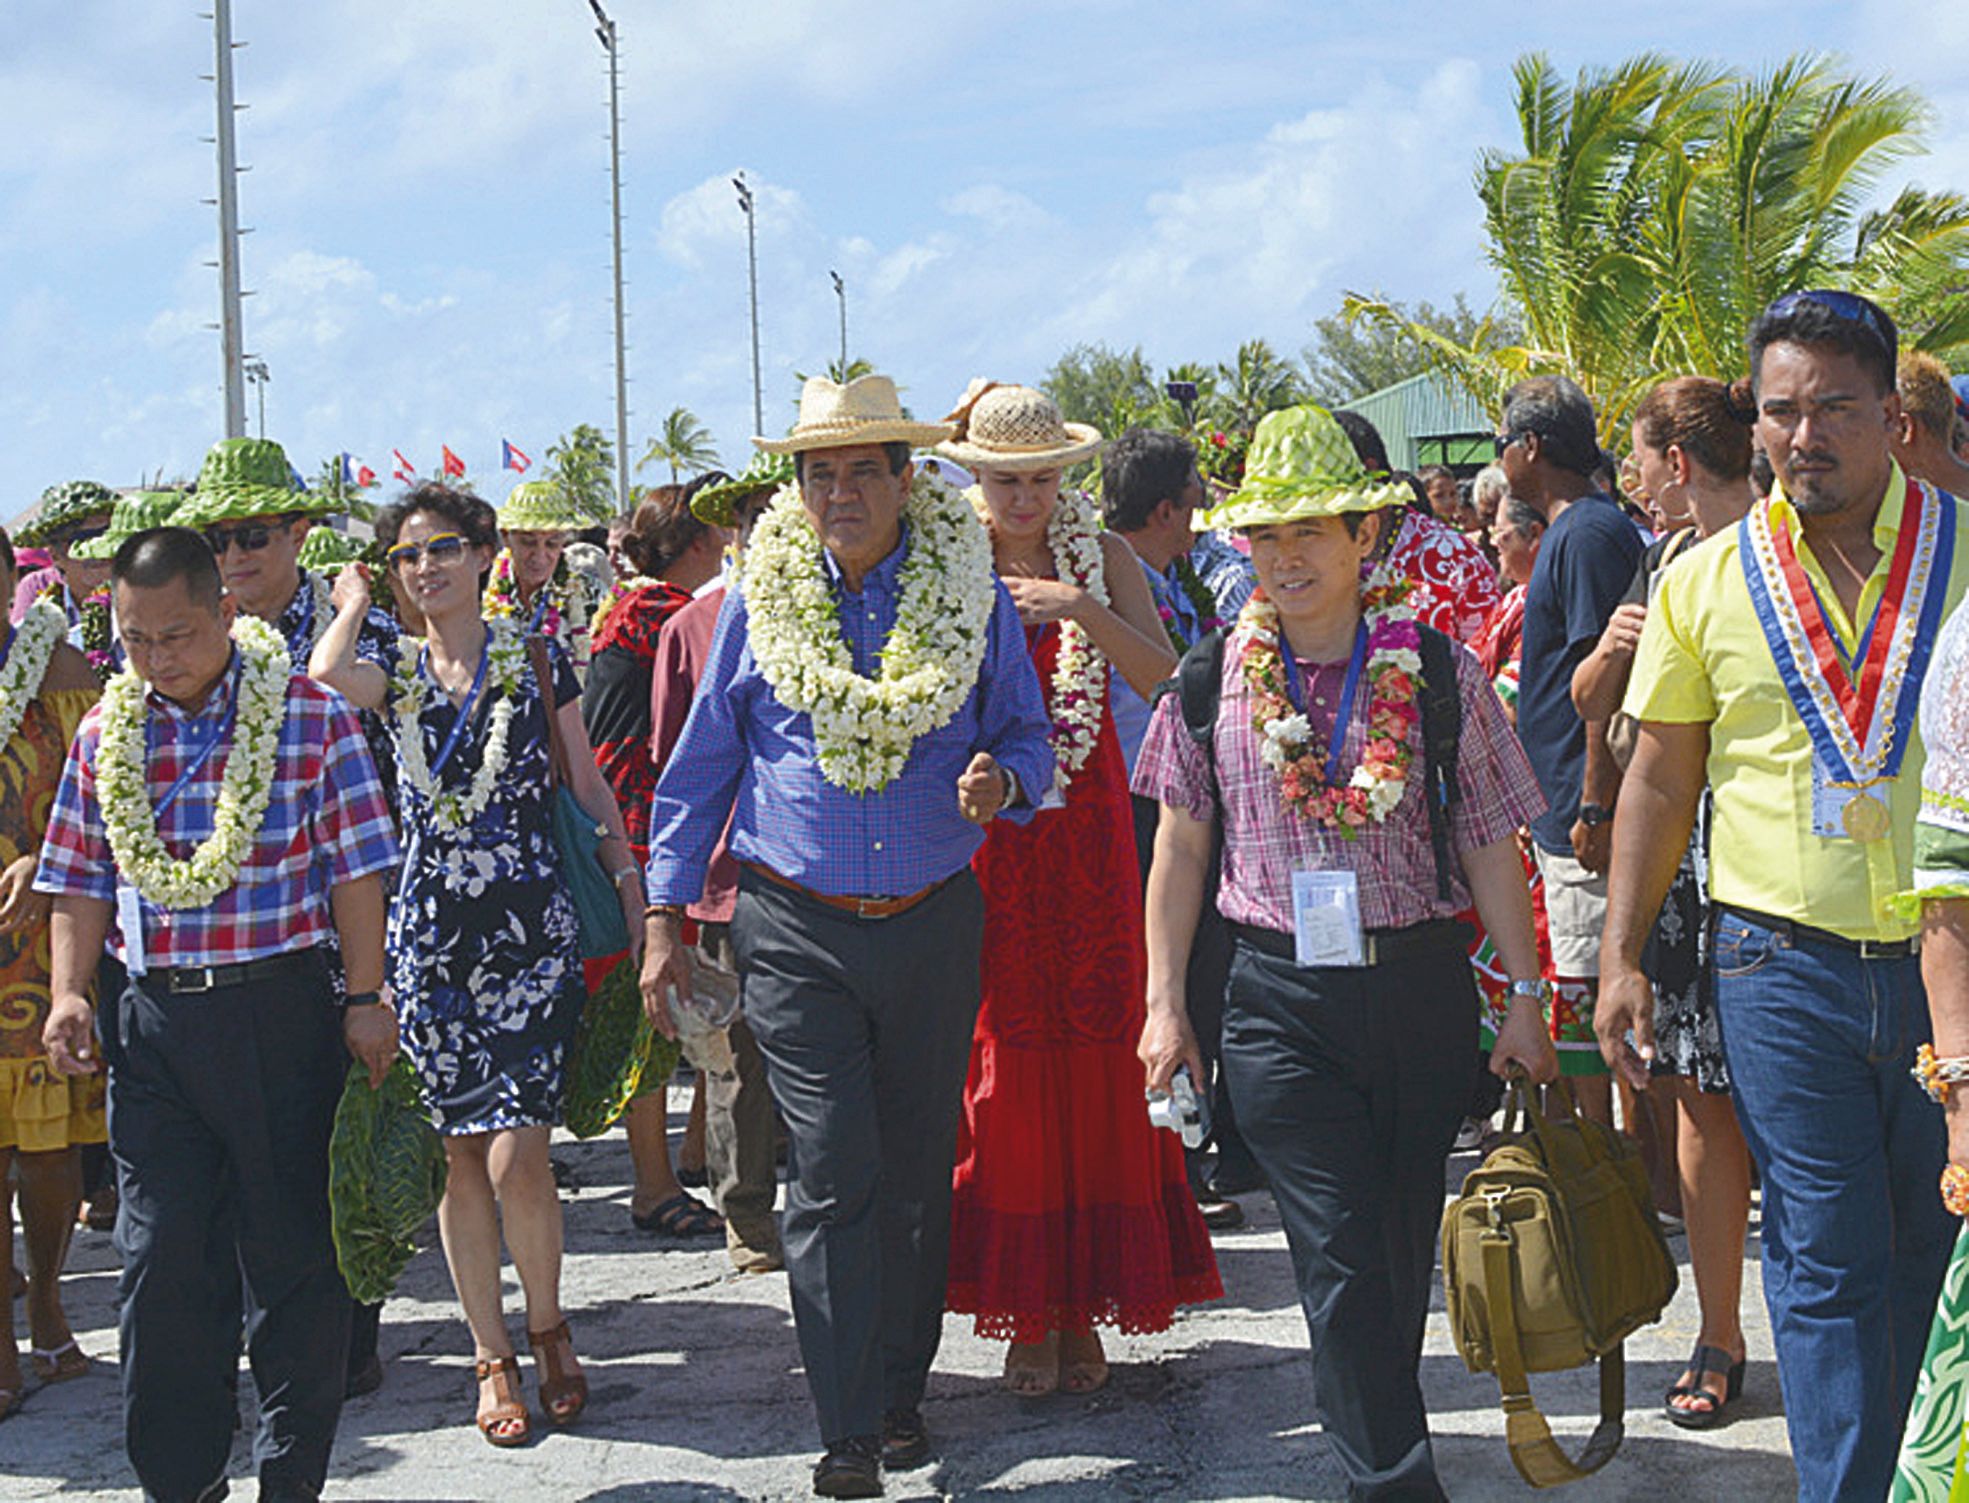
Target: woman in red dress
(1070, 1209)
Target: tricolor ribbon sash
(1858, 717)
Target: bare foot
(1032, 1368)
(1083, 1365)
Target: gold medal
(1865, 817)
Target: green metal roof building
(1429, 420)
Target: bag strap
(1198, 687)
(1534, 1452)
(543, 679)
(1442, 730)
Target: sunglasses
(442, 548)
(250, 536)
(83, 535)
(1849, 306)
(1504, 441)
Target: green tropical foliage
(582, 463)
(1347, 359)
(683, 443)
(1653, 208)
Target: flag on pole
(404, 470)
(512, 459)
(300, 480)
(355, 472)
(451, 463)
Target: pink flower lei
(1285, 738)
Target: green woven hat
(134, 514)
(540, 506)
(325, 551)
(249, 477)
(63, 508)
(1301, 464)
(717, 505)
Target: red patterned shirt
(1264, 843)
(1455, 585)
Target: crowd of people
(945, 822)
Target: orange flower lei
(1955, 1190)
(1285, 737)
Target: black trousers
(865, 1025)
(1351, 1084)
(220, 1108)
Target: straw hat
(63, 508)
(1015, 428)
(540, 506)
(717, 505)
(1301, 464)
(134, 514)
(865, 411)
(249, 477)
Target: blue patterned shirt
(745, 753)
(1227, 574)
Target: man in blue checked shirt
(866, 595)
(224, 1044)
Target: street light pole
(231, 321)
(841, 292)
(745, 202)
(255, 370)
(605, 31)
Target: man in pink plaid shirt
(224, 1043)
(1351, 1013)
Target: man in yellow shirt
(1781, 664)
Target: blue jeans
(1819, 1043)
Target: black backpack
(1199, 684)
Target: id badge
(1326, 919)
(130, 922)
(1850, 811)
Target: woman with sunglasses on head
(483, 935)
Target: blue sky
(429, 197)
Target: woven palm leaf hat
(1301, 465)
(325, 550)
(1015, 428)
(717, 505)
(64, 508)
(134, 514)
(540, 506)
(244, 478)
(866, 410)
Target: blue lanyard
(1341, 716)
(204, 753)
(464, 710)
(539, 611)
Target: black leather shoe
(905, 1440)
(851, 1468)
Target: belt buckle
(192, 979)
(871, 908)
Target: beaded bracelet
(1955, 1190)
(1936, 1075)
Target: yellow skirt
(42, 1112)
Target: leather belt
(1383, 945)
(1793, 931)
(866, 908)
(182, 979)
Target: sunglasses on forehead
(1849, 306)
(443, 548)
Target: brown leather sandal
(563, 1388)
(507, 1422)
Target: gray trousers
(865, 1025)
(738, 1123)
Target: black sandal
(1703, 1361)
(682, 1216)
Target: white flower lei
(506, 657)
(122, 786)
(864, 727)
(1080, 669)
(40, 629)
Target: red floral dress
(1455, 586)
(1069, 1208)
(615, 700)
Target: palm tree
(582, 463)
(1258, 381)
(683, 443)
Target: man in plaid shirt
(224, 1043)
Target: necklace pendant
(1865, 817)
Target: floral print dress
(484, 951)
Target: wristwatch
(1593, 815)
(1539, 991)
(360, 999)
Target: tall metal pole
(231, 323)
(745, 202)
(841, 292)
(605, 30)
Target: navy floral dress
(484, 948)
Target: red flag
(453, 465)
(404, 470)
